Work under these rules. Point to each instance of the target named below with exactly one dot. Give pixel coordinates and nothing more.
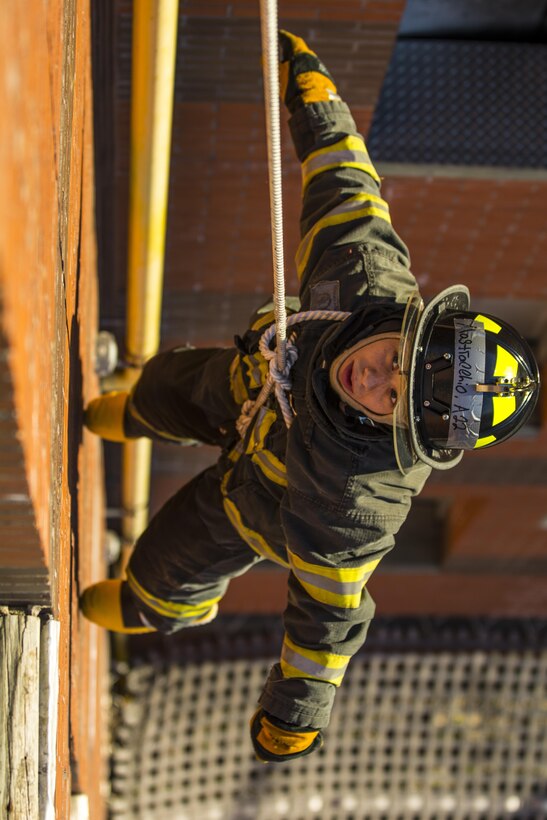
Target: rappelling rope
(282, 358)
(270, 56)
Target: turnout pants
(182, 563)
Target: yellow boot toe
(104, 416)
(101, 603)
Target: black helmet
(471, 381)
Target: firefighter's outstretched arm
(342, 205)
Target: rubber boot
(104, 416)
(102, 604)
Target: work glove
(302, 76)
(275, 741)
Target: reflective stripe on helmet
(503, 407)
(506, 366)
(482, 442)
(488, 323)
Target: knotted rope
(280, 379)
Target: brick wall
(51, 504)
(489, 233)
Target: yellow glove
(302, 75)
(275, 741)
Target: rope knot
(282, 378)
(245, 417)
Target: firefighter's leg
(181, 565)
(183, 394)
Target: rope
(270, 56)
(280, 379)
(284, 355)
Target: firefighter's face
(366, 376)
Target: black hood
(381, 317)
(324, 404)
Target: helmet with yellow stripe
(470, 381)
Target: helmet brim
(417, 323)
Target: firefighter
(380, 398)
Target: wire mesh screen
(463, 103)
(414, 734)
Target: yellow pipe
(153, 80)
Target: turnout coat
(323, 499)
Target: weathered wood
(19, 709)
(49, 704)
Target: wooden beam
(19, 710)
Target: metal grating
(463, 103)
(414, 734)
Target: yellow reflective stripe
(351, 143)
(341, 574)
(271, 466)
(298, 662)
(256, 541)
(237, 385)
(290, 671)
(506, 364)
(504, 406)
(338, 587)
(324, 596)
(350, 152)
(482, 442)
(367, 167)
(267, 319)
(265, 418)
(252, 538)
(236, 452)
(170, 609)
(348, 211)
(488, 323)
(257, 369)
